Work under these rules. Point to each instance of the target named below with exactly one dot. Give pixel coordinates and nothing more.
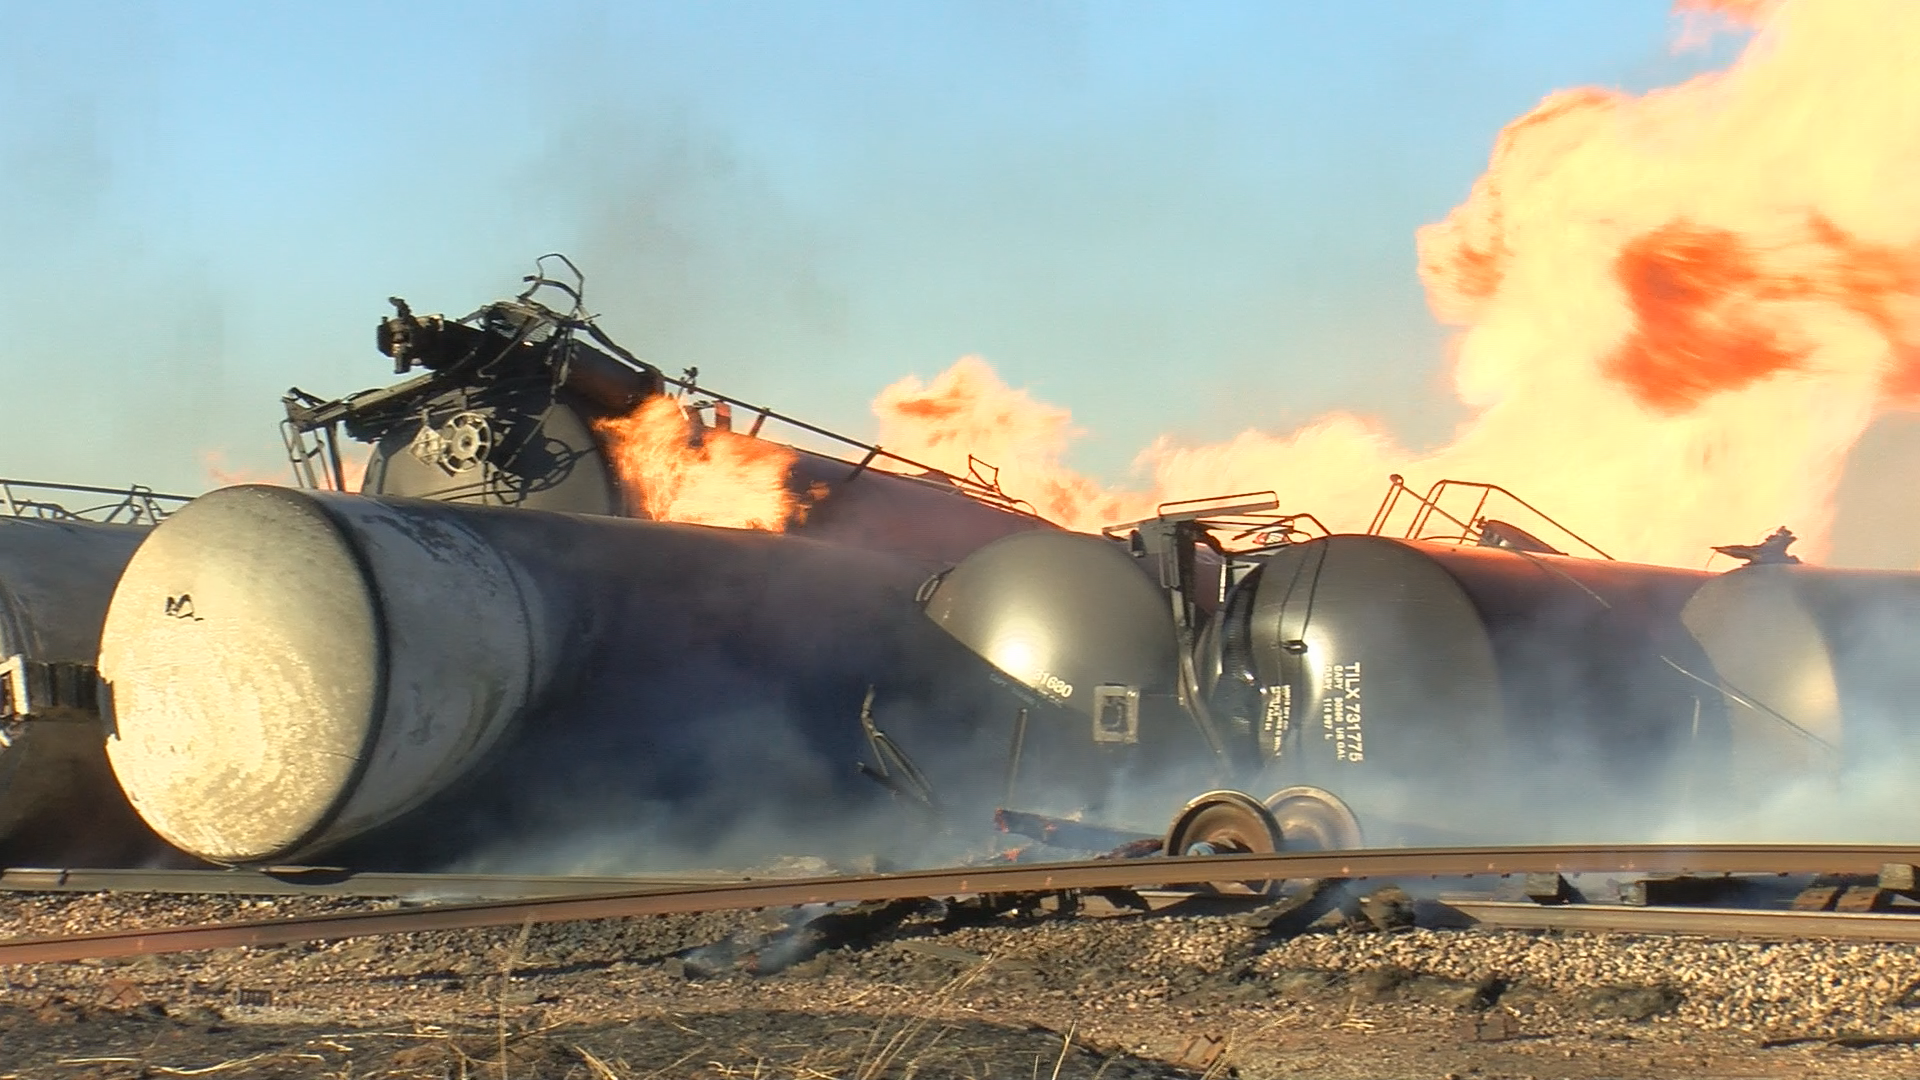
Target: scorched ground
(1016, 996)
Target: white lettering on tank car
(1340, 717)
(1053, 684)
(1276, 716)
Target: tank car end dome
(287, 669)
(1071, 617)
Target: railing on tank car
(1242, 528)
(135, 504)
(982, 481)
(312, 436)
(317, 463)
(1250, 519)
(1474, 527)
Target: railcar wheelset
(1226, 822)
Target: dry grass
(935, 1032)
(600, 1069)
(881, 1055)
(506, 980)
(927, 1036)
(1223, 1062)
(909, 1039)
(275, 1057)
(1066, 1044)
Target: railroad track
(331, 881)
(667, 899)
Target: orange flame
(720, 478)
(967, 411)
(353, 464)
(1678, 312)
(1750, 11)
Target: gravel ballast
(931, 996)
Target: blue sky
(1171, 217)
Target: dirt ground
(938, 995)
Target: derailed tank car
(1369, 688)
(1476, 690)
(432, 682)
(1073, 625)
(1816, 666)
(59, 804)
(1092, 633)
(511, 409)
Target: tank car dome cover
(287, 669)
(1062, 613)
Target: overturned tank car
(412, 684)
(1093, 634)
(62, 548)
(1071, 625)
(1474, 690)
(1368, 688)
(513, 408)
(1815, 665)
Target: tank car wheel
(1314, 819)
(1225, 823)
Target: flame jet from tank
(529, 405)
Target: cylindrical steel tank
(925, 517)
(1087, 637)
(292, 670)
(536, 448)
(532, 448)
(1820, 667)
(1466, 691)
(59, 805)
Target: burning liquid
(672, 471)
(1678, 312)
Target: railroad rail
(1703, 921)
(331, 881)
(1011, 878)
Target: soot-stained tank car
(1089, 640)
(924, 516)
(1443, 689)
(59, 805)
(1818, 667)
(512, 410)
(291, 671)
